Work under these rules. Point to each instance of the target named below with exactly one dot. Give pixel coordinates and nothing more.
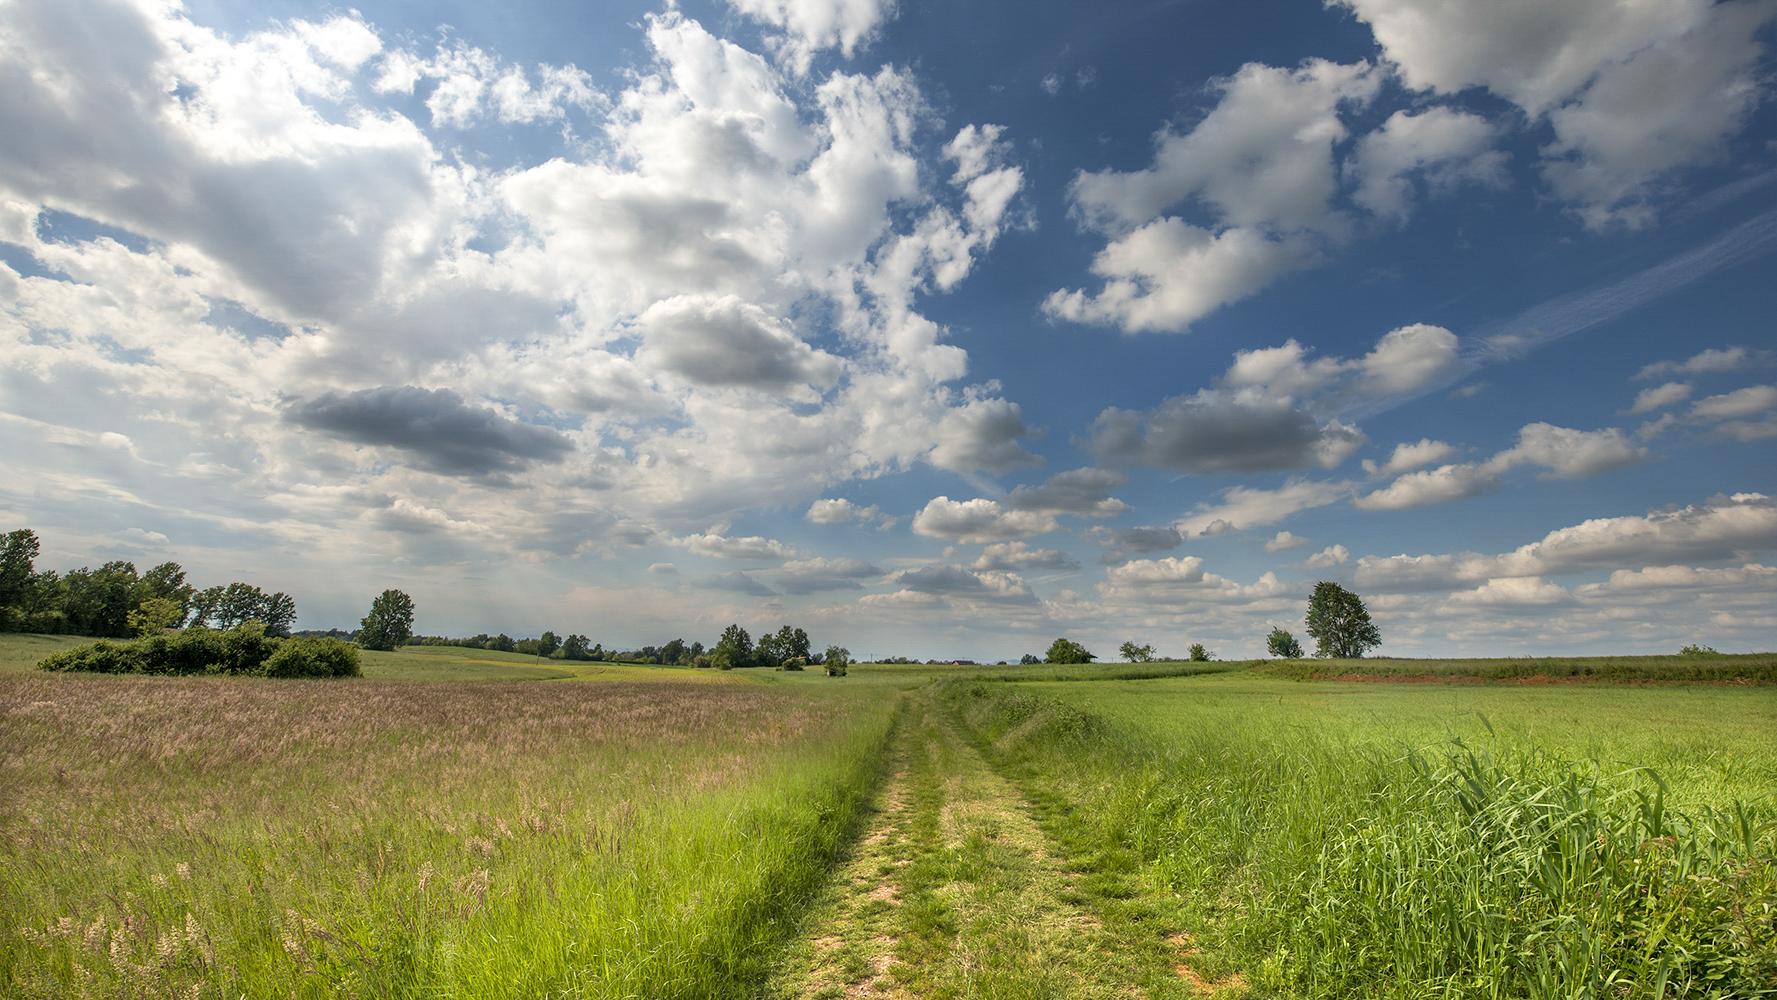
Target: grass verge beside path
(1311, 863)
(219, 837)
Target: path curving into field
(954, 890)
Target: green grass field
(461, 823)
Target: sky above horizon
(936, 329)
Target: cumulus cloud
(1660, 396)
(982, 434)
(1241, 507)
(1516, 591)
(806, 27)
(1408, 456)
(1084, 491)
(1632, 92)
(1713, 361)
(723, 341)
(1284, 541)
(841, 511)
(1562, 452)
(808, 576)
(1214, 430)
(1019, 555)
(1182, 578)
(437, 427)
(955, 581)
(715, 545)
(1441, 147)
(1718, 530)
(1121, 543)
(1327, 558)
(1260, 163)
(978, 521)
(1739, 404)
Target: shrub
(837, 661)
(796, 663)
(242, 651)
(1696, 649)
(1281, 643)
(313, 656)
(1199, 654)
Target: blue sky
(940, 329)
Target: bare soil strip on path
(954, 890)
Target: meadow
(467, 823)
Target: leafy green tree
(673, 653)
(99, 601)
(1199, 654)
(167, 581)
(1028, 659)
(1137, 654)
(573, 648)
(18, 554)
(1281, 643)
(734, 649)
(1068, 651)
(155, 615)
(548, 643)
(837, 660)
(1339, 623)
(390, 622)
(278, 612)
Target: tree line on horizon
(114, 600)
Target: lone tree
(1339, 623)
(1068, 651)
(1281, 643)
(1200, 654)
(389, 623)
(1137, 654)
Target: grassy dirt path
(955, 891)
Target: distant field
(1721, 668)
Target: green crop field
(464, 823)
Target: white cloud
(978, 521)
(842, 511)
(1515, 591)
(982, 434)
(1216, 430)
(1084, 491)
(1260, 163)
(1660, 396)
(1327, 558)
(1182, 578)
(809, 26)
(1409, 358)
(1568, 453)
(715, 545)
(1243, 507)
(1562, 452)
(1741, 403)
(1441, 146)
(723, 341)
(1714, 531)
(1284, 541)
(1168, 274)
(1020, 556)
(1408, 456)
(1633, 91)
(1709, 362)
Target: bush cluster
(243, 651)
